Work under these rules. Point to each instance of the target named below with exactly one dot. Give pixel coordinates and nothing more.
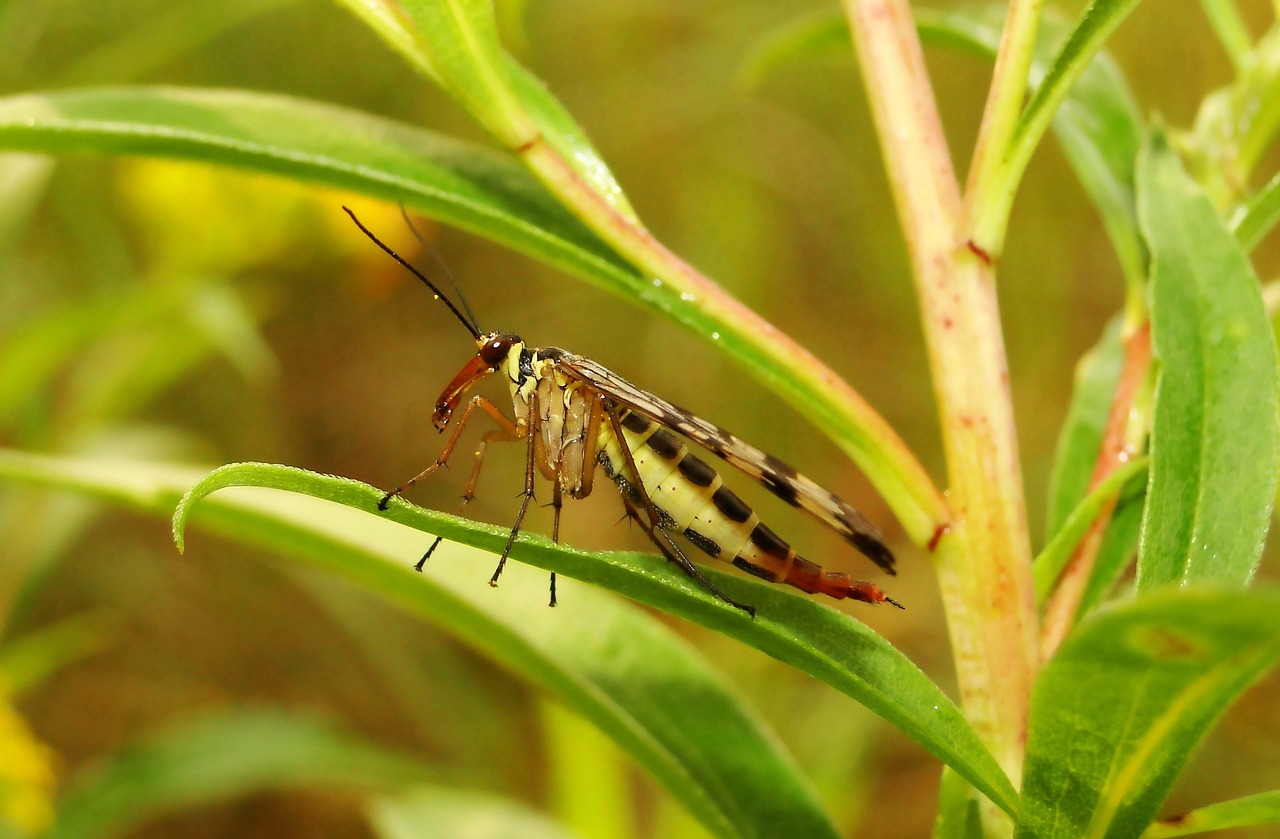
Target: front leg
(504, 424)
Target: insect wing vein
(775, 475)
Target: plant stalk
(984, 562)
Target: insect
(574, 414)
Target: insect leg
(476, 402)
(498, 435)
(531, 431)
(655, 529)
(557, 501)
(672, 552)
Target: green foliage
(1118, 709)
(796, 630)
(1128, 686)
(460, 183)
(1214, 441)
(223, 756)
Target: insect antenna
(444, 268)
(470, 327)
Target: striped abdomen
(691, 499)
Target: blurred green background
(170, 311)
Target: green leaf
(28, 660)
(821, 33)
(218, 758)
(459, 183)
(1262, 808)
(1227, 23)
(1116, 712)
(1119, 545)
(1071, 61)
(430, 48)
(958, 816)
(461, 39)
(1258, 216)
(541, 643)
(559, 129)
(796, 630)
(1080, 440)
(624, 671)
(1215, 442)
(1053, 559)
(453, 813)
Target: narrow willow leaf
(815, 34)
(553, 122)
(355, 544)
(1070, 62)
(218, 758)
(29, 659)
(1215, 443)
(1258, 216)
(565, 135)
(1227, 23)
(453, 813)
(611, 663)
(1053, 559)
(796, 630)
(459, 183)
(461, 39)
(1251, 810)
(1098, 124)
(1116, 712)
(1119, 545)
(1080, 440)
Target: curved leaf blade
(459, 183)
(1262, 808)
(793, 629)
(218, 758)
(1050, 561)
(1215, 441)
(622, 670)
(1080, 440)
(28, 660)
(1258, 216)
(461, 39)
(484, 55)
(1128, 695)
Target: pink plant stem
(984, 562)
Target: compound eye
(495, 348)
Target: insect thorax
(569, 417)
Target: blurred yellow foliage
(204, 219)
(27, 778)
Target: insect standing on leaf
(575, 414)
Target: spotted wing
(776, 476)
